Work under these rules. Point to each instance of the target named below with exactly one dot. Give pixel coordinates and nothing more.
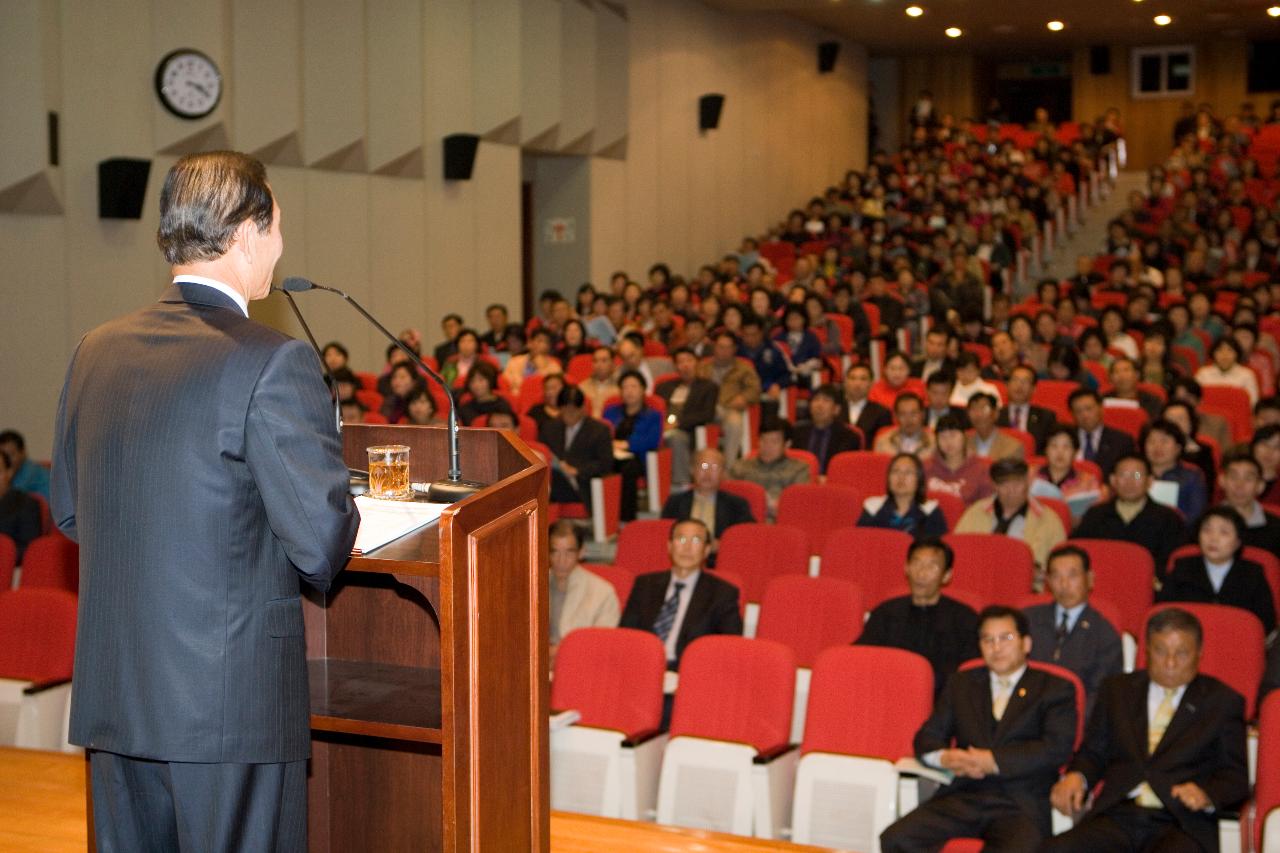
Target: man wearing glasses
(718, 510)
(685, 602)
(1132, 516)
(1001, 731)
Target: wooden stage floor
(42, 810)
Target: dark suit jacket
(1112, 445)
(591, 452)
(1157, 528)
(196, 462)
(1245, 586)
(842, 438)
(1205, 744)
(699, 406)
(713, 607)
(731, 509)
(1039, 421)
(874, 417)
(1092, 650)
(1030, 742)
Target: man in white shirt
(1168, 744)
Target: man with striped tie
(1169, 745)
(685, 602)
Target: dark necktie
(667, 615)
(1090, 450)
(1061, 637)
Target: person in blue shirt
(769, 360)
(904, 505)
(1163, 443)
(30, 477)
(801, 346)
(637, 429)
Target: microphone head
(296, 284)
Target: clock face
(188, 83)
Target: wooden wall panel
(265, 80)
(495, 66)
(334, 103)
(611, 78)
(395, 82)
(540, 48)
(577, 75)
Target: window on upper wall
(1162, 72)
(1263, 67)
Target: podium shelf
(375, 699)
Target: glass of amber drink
(389, 472)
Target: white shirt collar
(1073, 615)
(216, 285)
(1013, 678)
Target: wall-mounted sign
(559, 229)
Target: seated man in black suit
(581, 448)
(1020, 413)
(926, 622)
(1241, 482)
(1099, 443)
(939, 387)
(1003, 730)
(686, 602)
(1131, 516)
(691, 403)
(1070, 632)
(824, 434)
(706, 502)
(1169, 745)
(867, 415)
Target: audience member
(1226, 370)
(1069, 632)
(939, 628)
(986, 440)
(910, 435)
(602, 384)
(480, 398)
(771, 468)
(1132, 517)
(496, 338)
(1165, 775)
(1241, 482)
(938, 388)
(578, 598)
(334, 355)
(420, 410)
(691, 403)
(450, 325)
(904, 505)
(1266, 449)
(1194, 453)
(1061, 478)
(684, 602)
(28, 476)
(862, 412)
(706, 501)
(404, 380)
(537, 361)
(19, 512)
(934, 357)
(953, 468)
(1099, 443)
(547, 409)
(969, 381)
(739, 389)
(1001, 731)
(824, 434)
(637, 430)
(581, 448)
(455, 370)
(1021, 413)
(1011, 511)
(1163, 444)
(895, 380)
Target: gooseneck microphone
(449, 490)
(329, 378)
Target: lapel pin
(1084, 623)
(1022, 691)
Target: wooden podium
(428, 666)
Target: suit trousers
(1126, 826)
(144, 806)
(1003, 827)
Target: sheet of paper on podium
(386, 521)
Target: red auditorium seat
(753, 493)
(1266, 795)
(37, 634)
(1060, 507)
(612, 677)
(1053, 394)
(864, 470)
(1127, 419)
(872, 557)
(46, 517)
(368, 381)
(371, 400)
(1124, 574)
(996, 567)
(1233, 404)
(736, 690)
(621, 579)
(952, 507)
(758, 553)
(1233, 650)
(642, 545)
(809, 615)
(819, 510)
(51, 561)
(8, 560)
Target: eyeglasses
(688, 540)
(709, 466)
(1130, 475)
(997, 639)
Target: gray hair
(205, 198)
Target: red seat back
(1233, 650)
(951, 505)
(613, 677)
(818, 510)
(735, 689)
(621, 579)
(46, 517)
(996, 567)
(864, 470)
(867, 701)
(52, 561)
(1124, 574)
(1233, 404)
(37, 634)
(1267, 793)
(874, 558)
(1125, 418)
(804, 456)
(759, 552)
(8, 560)
(1053, 394)
(809, 615)
(642, 545)
(1060, 508)
(753, 493)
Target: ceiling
(1018, 28)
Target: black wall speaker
(122, 186)
(1100, 59)
(709, 107)
(460, 156)
(827, 53)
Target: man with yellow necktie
(1169, 745)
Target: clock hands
(201, 89)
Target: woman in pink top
(951, 469)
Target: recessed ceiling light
(1056, 26)
(953, 32)
(1162, 20)
(914, 11)
(1274, 11)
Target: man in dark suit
(1019, 413)
(824, 434)
(685, 602)
(1099, 443)
(196, 462)
(1003, 730)
(691, 403)
(1131, 516)
(581, 448)
(1168, 744)
(1070, 632)
(867, 415)
(938, 389)
(718, 510)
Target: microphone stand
(329, 378)
(454, 488)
